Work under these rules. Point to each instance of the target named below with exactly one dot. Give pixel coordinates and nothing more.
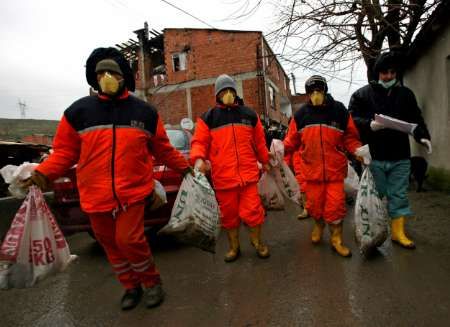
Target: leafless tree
(335, 34)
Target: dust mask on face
(228, 98)
(109, 84)
(317, 98)
(387, 84)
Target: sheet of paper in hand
(394, 123)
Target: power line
(187, 13)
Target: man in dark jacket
(112, 137)
(390, 148)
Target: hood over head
(100, 54)
(387, 60)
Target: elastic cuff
(152, 283)
(335, 222)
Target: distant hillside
(15, 129)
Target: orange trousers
(326, 200)
(240, 203)
(301, 182)
(126, 246)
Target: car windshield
(178, 139)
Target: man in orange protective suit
(322, 130)
(231, 137)
(112, 137)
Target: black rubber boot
(131, 298)
(153, 296)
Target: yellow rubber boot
(398, 233)
(233, 239)
(316, 234)
(255, 238)
(336, 240)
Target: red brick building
(38, 139)
(176, 71)
(297, 100)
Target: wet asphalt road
(300, 285)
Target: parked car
(16, 153)
(66, 204)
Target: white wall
(430, 81)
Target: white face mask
(387, 84)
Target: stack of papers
(394, 123)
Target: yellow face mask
(228, 98)
(109, 84)
(317, 98)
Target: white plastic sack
(277, 149)
(351, 182)
(371, 219)
(159, 197)
(283, 175)
(34, 246)
(14, 175)
(270, 194)
(195, 218)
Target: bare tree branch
(335, 34)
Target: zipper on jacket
(237, 153)
(323, 154)
(113, 155)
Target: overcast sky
(44, 44)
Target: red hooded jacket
(232, 138)
(322, 135)
(112, 143)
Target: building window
(272, 96)
(179, 61)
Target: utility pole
(142, 35)
(23, 109)
(293, 83)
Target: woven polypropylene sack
(195, 218)
(371, 218)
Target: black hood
(388, 60)
(108, 53)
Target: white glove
(364, 153)
(427, 144)
(376, 126)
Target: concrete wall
(429, 78)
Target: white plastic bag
(351, 182)
(371, 219)
(34, 246)
(195, 218)
(14, 175)
(159, 197)
(283, 175)
(270, 194)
